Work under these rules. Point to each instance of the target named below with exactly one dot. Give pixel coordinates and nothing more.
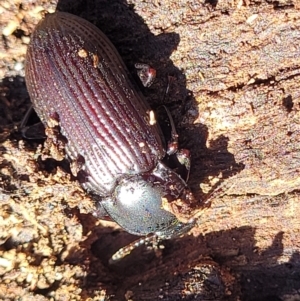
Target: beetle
(82, 91)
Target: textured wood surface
(233, 68)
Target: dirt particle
(82, 53)
(152, 119)
(95, 60)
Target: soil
(233, 69)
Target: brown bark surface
(234, 70)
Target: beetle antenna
(123, 252)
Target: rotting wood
(241, 61)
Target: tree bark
(233, 69)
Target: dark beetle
(78, 83)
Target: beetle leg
(177, 159)
(146, 74)
(172, 147)
(55, 141)
(184, 159)
(35, 131)
(26, 117)
(100, 212)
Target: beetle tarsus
(146, 74)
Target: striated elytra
(79, 84)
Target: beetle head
(137, 203)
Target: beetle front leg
(179, 159)
(180, 162)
